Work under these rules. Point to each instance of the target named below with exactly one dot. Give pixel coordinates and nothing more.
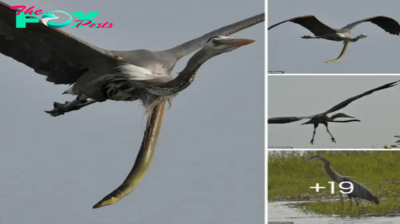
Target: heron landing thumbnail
(322, 31)
(322, 118)
(359, 191)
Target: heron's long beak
(237, 41)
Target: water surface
(278, 211)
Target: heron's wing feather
(283, 120)
(195, 44)
(348, 101)
(311, 23)
(388, 24)
(61, 57)
(359, 190)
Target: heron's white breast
(136, 72)
(343, 35)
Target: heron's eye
(216, 42)
(213, 37)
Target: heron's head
(223, 44)
(341, 115)
(313, 158)
(362, 36)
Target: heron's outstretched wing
(348, 101)
(195, 44)
(143, 159)
(311, 23)
(283, 120)
(60, 56)
(388, 24)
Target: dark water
(280, 212)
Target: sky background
(209, 163)
(309, 95)
(288, 52)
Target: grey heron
(322, 118)
(65, 59)
(322, 31)
(359, 191)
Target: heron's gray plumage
(215, 46)
(195, 44)
(61, 57)
(343, 104)
(129, 82)
(322, 118)
(386, 23)
(65, 59)
(309, 22)
(359, 191)
(322, 31)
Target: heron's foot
(57, 111)
(312, 142)
(61, 108)
(333, 140)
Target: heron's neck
(334, 176)
(187, 75)
(354, 39)
(334, 117)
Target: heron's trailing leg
(341, 199)
(346, 44)
(327, 129)
(357, 203)
(351, 204)
(315, 130)
(79, 102)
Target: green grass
(379, 171)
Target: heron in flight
(359, 191)
(65, 59)
(322, 31)
(98, 75)
(322, 118)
